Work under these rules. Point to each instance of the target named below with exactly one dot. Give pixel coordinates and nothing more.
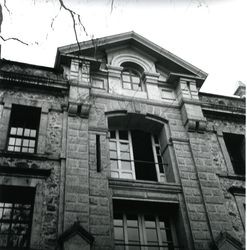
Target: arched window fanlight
(131, 76)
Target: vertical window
(131, 76)
(131, 79)
(16, 209)
(136, 155)
(142, 231)
(23, 130)
(235, 145)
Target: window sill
(145, 185)
(21, 171)
(233, 176)
(34, 156)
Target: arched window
(135, 148)
(131, 76)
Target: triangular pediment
(226, 242)
(95, 48)
(75, 237)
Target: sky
(209, 34)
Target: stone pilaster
(151, 84)
(79, 92)
(187, 95)
(114, 76)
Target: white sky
(210, 34)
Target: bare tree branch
(13, 38)
(74, 15)
(5, 5)
(54, 18)
(112, 3)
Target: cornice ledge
(145, 186)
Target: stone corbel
(84, 109)
(72, 109)
(150, 77)
(114, 71)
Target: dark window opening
(23, 129)
(139, 225)
(136, 154)
(143, 155)
(16, 211)
(236, 148)
(98, 153)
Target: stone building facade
(116, 148)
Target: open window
(235, 145)
(136, 154)
(16, 211)
(131, 76)
(23, 129)
(143, 226)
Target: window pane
(114, 164)
(32, 143)
(24, 150)
(124, 147)
(19, 131)
(112, 134)
(27, 132)
(11, 141)
(113, 145)
(13, 131)
(136, 87)
(126, 77)
(33, 133)
(25, 142)
(133, 234)
(127, 175)
(125, 156)
(136, 79)
(18, 142)
(152, 235)
(113, 154)
(114, 174)
(126, 85)
(132, 220)
(17, 149)
(10, 148)
(118, 222)
(31, 150)
(123, 135)
(118, 233)
(126, 165)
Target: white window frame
(120, 173)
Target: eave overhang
(174, 78)
(13, 79)
(65, 59)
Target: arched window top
(131, 76)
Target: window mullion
(126, 241)
(143, 232)
(155, 158)
(131, 155)
(157, 221)
(118, 154)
